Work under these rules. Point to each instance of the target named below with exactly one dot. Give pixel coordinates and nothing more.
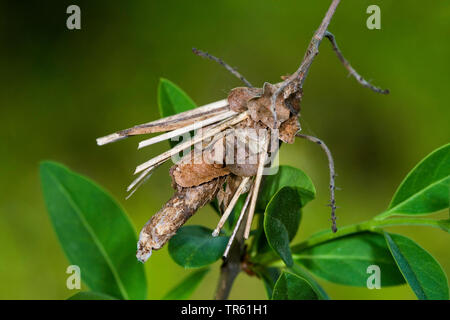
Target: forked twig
(332, 176)
(203, 54)
(350, 69)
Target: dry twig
(350, 69)
(233, 71)
(327, 151)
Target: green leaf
(303, 273)
(292, 287)
(269, 277)
(426, 189)
(215, 205)
(345, 260)
(286, 177)
(422, 272)
(194, 247)
(187, 286)
(281, 221)
(89, 295)
(444, 225)
(172, 100)
(94, 231)
(259, 244)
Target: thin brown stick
(233, 71)
(350, 69)
(327, 151)
(299, 76)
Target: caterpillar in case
(234, 142)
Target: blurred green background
(61, 89)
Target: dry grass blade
(238, 223)
(188, 128)
(169, 123)
(138, 179)
(261, 160)
(180, 147)
(230, 207)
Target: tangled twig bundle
(235, 139)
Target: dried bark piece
(192, 170)
(260, 107)
(289, 129)
(238, 97)
(165, 223)
(293, 96)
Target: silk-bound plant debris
(227, 158)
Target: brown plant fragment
(238, 97)
(260, 107)
(165, 223)
(192, 170)
(289, 129)
(224, 195)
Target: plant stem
(228, 273)
(371, 225)
(231, 266)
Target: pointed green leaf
(292, 287)
(303, 273)
(281, 221)
(94, 231)
(89, 295)
(345, 260)
(187, 286)
(286, 176)
(444, 225)
(172, 100)
(423, 273)
(194, 247)
(269, 277)
(259, 244)
(426, 189)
